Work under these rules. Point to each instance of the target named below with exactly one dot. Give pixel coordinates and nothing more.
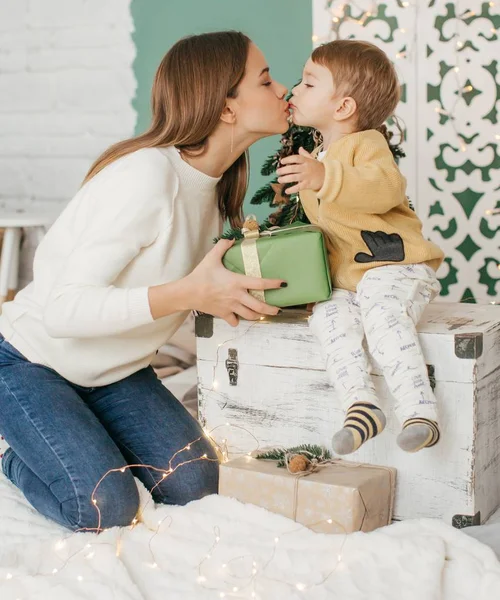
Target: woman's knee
(115, 503)
(189, 482)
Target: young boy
(382, 267)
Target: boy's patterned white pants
(379, 317)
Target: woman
(115, 277)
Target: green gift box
(295, 253)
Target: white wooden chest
(265, 381)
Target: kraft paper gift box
(355, 497)
(296, 253)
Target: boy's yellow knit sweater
(363, 211)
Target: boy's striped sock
(418, 433)
(363, 422)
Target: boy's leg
(392, 300)
(338, 327)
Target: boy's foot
(418, 433)
(363, 422)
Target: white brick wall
(66, 86)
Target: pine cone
(298, 464)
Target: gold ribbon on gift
(251, 234)
(251, 263)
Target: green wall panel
(281, 28)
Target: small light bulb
(94, 501)
(235, 589)
(222, 595)
(9, 576)
(456, 69)
(188, 447)
(54, 571)
(406, 4)
(315, 38)
(154, 565)
(164, 475)
(339, 557)
(204, 456)
(201, 579)
(80, 578)
(224, 566)
(60, 545)
(122, 470)
(329, 521)
(300, 586)
(335, 19)
(217, 539)
(276, 540)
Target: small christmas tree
(288, 207)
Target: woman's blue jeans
(64, 438)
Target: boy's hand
(303, 169)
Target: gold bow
(251, 263)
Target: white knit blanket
(165, 557)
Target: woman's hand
(213, 289)
(303, 170)
(222, 293)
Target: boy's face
(314, 102)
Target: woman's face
(260, 106)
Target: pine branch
(310, 451)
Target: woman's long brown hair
(189, 93)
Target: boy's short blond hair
(365, 73)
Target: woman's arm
(125, 213)
(212, 289)
(121, 214)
